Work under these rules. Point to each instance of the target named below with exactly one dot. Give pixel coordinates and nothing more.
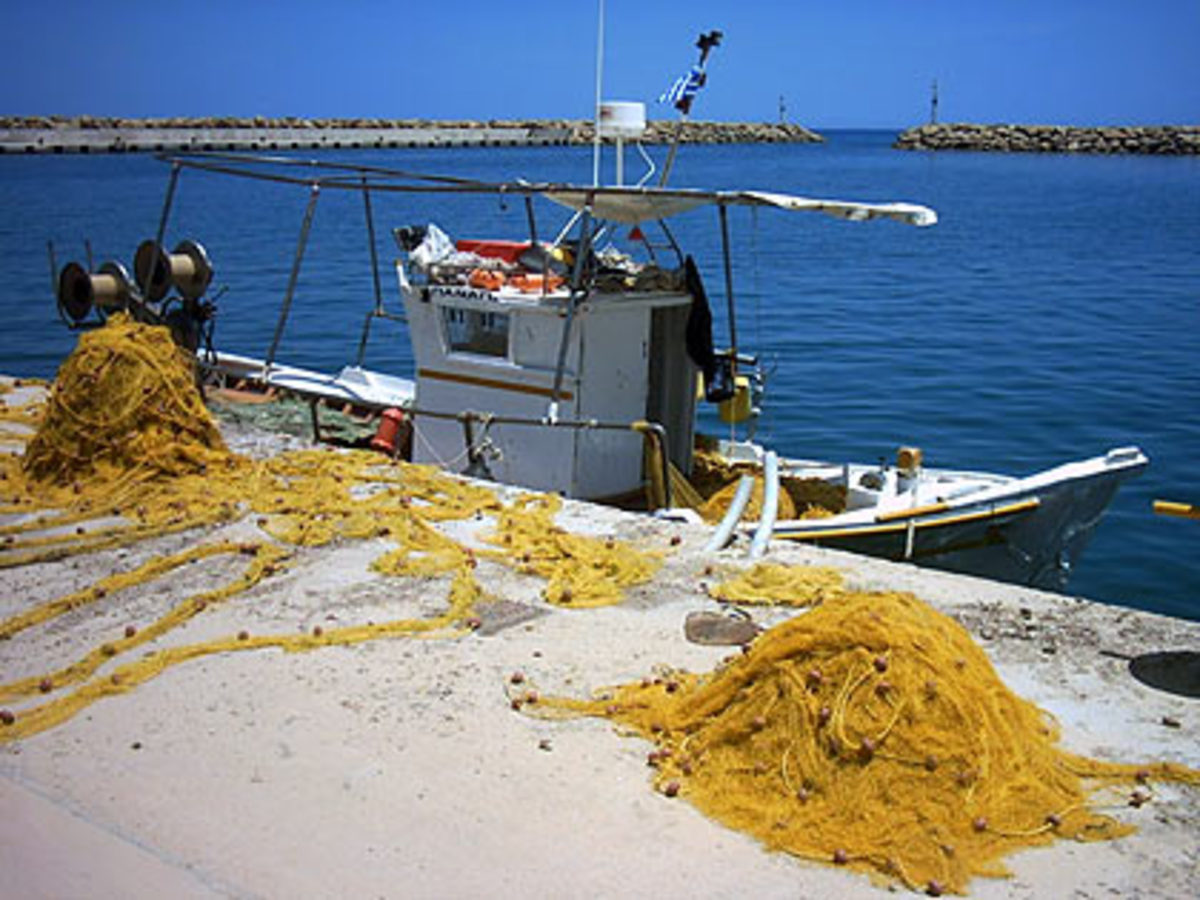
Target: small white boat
(1027, 530)
(558, 364)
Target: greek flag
(684, 88)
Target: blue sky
(854, 63)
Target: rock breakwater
(92, 134)
(1165, 140)
(663, 131)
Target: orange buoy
(390, 423)
(487, 279)
(534, 283)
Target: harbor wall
(1163, 140)
(86, 134)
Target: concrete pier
(396, 768)
(131, 140)
(105, 135)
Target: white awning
(906, 213)
(633, 205)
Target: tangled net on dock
(871, 733)
(124, 405)
(580, 571)
(126, 451)
(19, 414)
(773, 584)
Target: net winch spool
(79, 290)
(186, 268)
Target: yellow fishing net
(124, 402)
(580, 571)
(713, 509)
(871, 733)
(773, 584)
(126, 451)
(715, 480)
(22, 414)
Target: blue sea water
(1053, 313)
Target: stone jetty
(1163, 140)
(89, 134)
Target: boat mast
(599, 91)
(696, 79)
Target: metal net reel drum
(187, 269)
(79, 290)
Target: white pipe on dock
(733, 515)
(770, 506)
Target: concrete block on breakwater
(1164, 140)
(87, 134)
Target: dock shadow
(1174, 671)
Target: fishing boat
(577, 363)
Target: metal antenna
(599, 92)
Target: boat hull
(1031, 536)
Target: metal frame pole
(533, 239)
(295, 274)
(733, 341)
(371, 238)
(585, 230)
(167, 201)
(362, 344)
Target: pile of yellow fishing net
(123, 402)
(872, 733)
(126, 451)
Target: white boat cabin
(488, 338)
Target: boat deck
(355, 386)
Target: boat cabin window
(476, 331)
